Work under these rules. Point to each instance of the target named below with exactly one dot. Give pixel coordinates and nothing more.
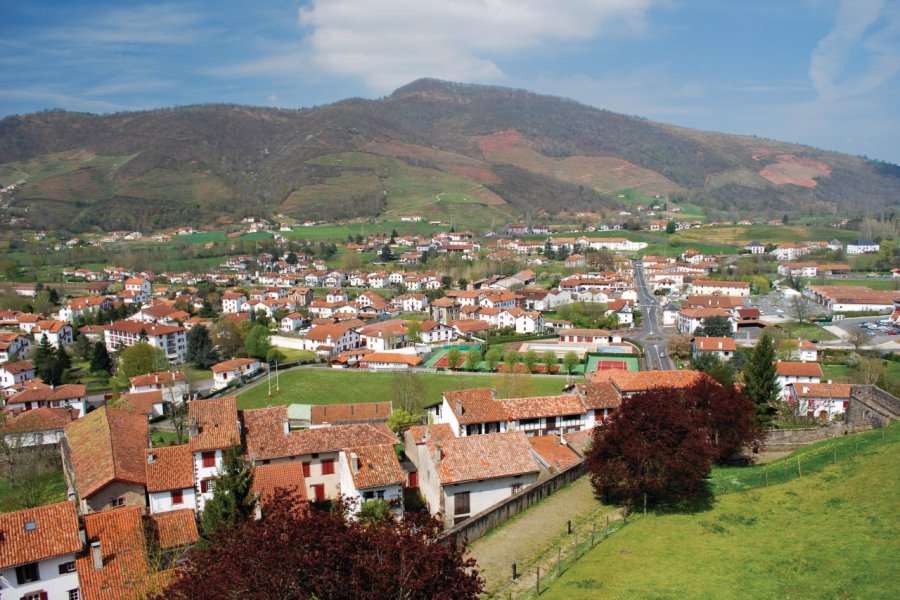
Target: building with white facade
(171, 339)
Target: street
(651, 334)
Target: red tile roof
(715, 344)
(822, 390)
(476, 405)
(141, 403)
(543, 406)
(158, 378)
(599, 395)
(478, 457)
(266, 437)
(216, 421)
(629, 382)
(390, 357)
(580, 441)
(40, 419)
(376, 466)
(798, 369)
(175, 528)
(336, 414)
(424, 433)
(35, 391)
(107, 445)
(284, 475)
(169, 468)
(55, 533)
(554, 453)
(231, 365)
(150, 329)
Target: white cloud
(868, 26)
(388, 43)
(164, 24)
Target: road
(651, 335)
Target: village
(137, 387)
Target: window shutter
(43, 595)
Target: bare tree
(859, 338)
(408, 390)
(801, 308)
(26, 460)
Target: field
(881, 283)
(333, 386)
(806, 331)
(340, 232)
(826, 534)
(739, 235)
(52, 488)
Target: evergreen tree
(206, 310)
(232, 501)
(760, 384)
(46, 363)
(100, 360)
(83, 347)
(200, 347)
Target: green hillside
(832, 533)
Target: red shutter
(306, 469)
(209, 459)
(328, 467)
(319, 491)
(177, 497)
(413, 479)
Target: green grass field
(309, 386)
(50, 488)
(807, 331)
(828, 534)
(340, 232)
(885, 283)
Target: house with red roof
(227, 372)
(37, 394)
(170, 478)
(214, 427)
(38, 548)
(372, 473)
(787, 372)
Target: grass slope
(312, 386)
(826, 535)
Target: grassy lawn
(52, 488)
(297, 355)
(163, 438)
(336, 386)
(791, 540)
(884, 283)
(807, 331)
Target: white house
(171, 339)
(37, 553)
(863, 246)
(411, 302)
(37, 394)
(292, 322)
(13, 346)
(788, 372)
(701, 287)
(232, 302)
(58, 333)
(170, 478)
(39, 427)
(173, 384)
(330, 340)
(433, 332)
(824, 401)
(722, 348)
(372, 473)
(14, 373)
(389, 361)
(226, 372)
(214, 427)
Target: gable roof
(822, 390)
(141, 402)
(376, 466)
(553, 452)
(35, 391)
(437, 431)
(543, 406)
(284, 475)
(40, 419)
(798, 369)
(630, 382)
(599, 395)
(715, 344)
(231, 365)
(476, 405)
(214, 424)
(107, 445)
(350, 413)
(175, 528)
(158, 378)
(55, 533)
(169, 468)
(477, 457)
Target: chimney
(96, 555)
(354, 462)
(720, 345)
(151, 458)
(194, 428)
(437, 454)
(287, 427)
(805, 389)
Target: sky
(820, 72)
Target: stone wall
(478, 525)
(871, 406)
(789, 439)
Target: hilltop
(467, 154)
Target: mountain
(469, 154)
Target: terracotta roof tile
(337, 414)
(580, 441)
(175, 528)
(266, 437)
(285, 475)
(488, 456)
(798, 369)
(141, 403)
(377, 466)
(822, 390)
(715, 344)
(216, 421)
(391, 357)
(543, 406)
(55, 532)
(599, 395)
(231, 365)
(159, 378)
(627, 382)
(436, 432)
(169, 468)
(107, 445)
(554, 453)
(40, 419)
(476, 405)
(35, 391)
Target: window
(75, 594)
(209, 459)
(27, 573)
(68, 567)
(368, 495)
(177, 497)
(207, 485)
(516, 488)
(380, 494)
(461, 503)
(117, 502)
(306, 469)
(328, 467)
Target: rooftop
(479, 457)
(36, 534)
(214, 424)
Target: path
(530, 539)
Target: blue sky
(818, 72)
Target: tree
(100, 359)
(319, 554)
(492, 358)
(531, 360)
(386, 254)
(652, 449)
(199, 348)
(141, 358)
(713, 366)
(473, 358)
(801, 307)
(257, 342)
(227, 337)
(206, 310)
(414, 331)
(453, 357)
(401, 419)
(511, 358)
(760, 383)
(858, 338)
(233, 500)
(716, 326)
(679, 346)
(570, 361)
(178, 414)
(548, 359)
(671, 227)
(408, 390)
(83, 347)
(49, 365)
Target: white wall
(57, 586)
(162, 501)
(482, 494)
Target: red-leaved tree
(294, 553)
(661, 443)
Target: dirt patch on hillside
(794, 170)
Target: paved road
(651, 335)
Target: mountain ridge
(446, 150)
